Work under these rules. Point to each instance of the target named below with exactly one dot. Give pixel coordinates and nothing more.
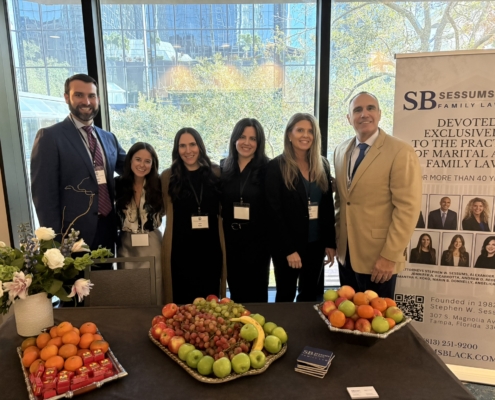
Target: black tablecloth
(400, 367)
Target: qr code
(411, 305)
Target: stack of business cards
(314, 362)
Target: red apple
(246, 313)
(158, 318)
(362, 325)
(349, 324)
(169, 310)
(354, 317)
(166, 335)
(328, 306)
(340, 300)
(175, 342)
(212, 297)
(347, 292)
(225, 300)
(157, 330)
(377, 313)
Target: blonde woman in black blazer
(302, 220)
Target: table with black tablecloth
(403, 366)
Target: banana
(259, 342)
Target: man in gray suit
(72, 168)
(443, 218)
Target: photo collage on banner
(444, 108)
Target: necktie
(362, 152)
(104, 203)
(444, 215)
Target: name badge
(313, 210)
(140, 239)
(199, 221)
(241, 211)
(100, 175)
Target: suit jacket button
(348, 203)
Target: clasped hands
(294, 260)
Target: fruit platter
(362, 314)
(217, 341)
(64, 361)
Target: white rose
(79, 246)
(44, 233)
(2, 244)
(53, 258)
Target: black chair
(122, 287)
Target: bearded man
(72, 169)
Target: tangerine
(391, 322)
(63, 328)
(337, 319)
(365, 311)
(360, 299)
(98, 336)
(67, 350)
(71, 337)
(53, 331)
(86, 340)
(390, 302)
(55, 361)
(379, 303)
(42, 340)
(76, 330)
(88, 327)
(48, 351)
(73, 363)
(80, 352)
(57, 341)
(103, 346)
(28, 342)
(34, 366)
(32, 349)
(29, 358)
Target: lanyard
(198, 201)
(242, 185)
(91, 152)
(307, 187)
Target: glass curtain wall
(365, 36)
(47, 47)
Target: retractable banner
(445, 108)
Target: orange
(67, 350)
(53, 331)
(360, 299)
(29, 358)
(42, 340)
(379, 303)
(101, 344)
(76, 330)
(48, 351)
(86, 340)
(71, 337)
(80, 352)
(73, 363)
(28, 342)
(57, 341)
(31, 348)
(64, 327)
(55, 361)
(88, 327)
(365, 311)
(390, 302)
(34, 366)
(98, 337)
(391, 322)
(337, 319)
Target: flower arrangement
(43, 265)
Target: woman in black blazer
(302, 221)
(244, 213)
(456, 255)
(476, 215)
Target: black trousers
(308, 280)
(361, 282)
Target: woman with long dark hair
(193, 247)
(302, 220)
(138, 202)
(456, 255)
(244, 213)
(423, 253)
(487, 257)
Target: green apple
(268, 327)
(249, 332)
(395, 313)
(258, 318)
(380, 325)
(273, 344)
(281, 334)
(330, 295)
(348, 308)
(184, 349)
(193, 358)
(205, 365)
(258, 359)
(222, 367)
(241, 363)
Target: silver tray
(120, 372)
(269, 360)
(317, 307)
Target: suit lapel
(342, 164)
(75, 140)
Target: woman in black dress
(423, 253)
(476, 215)
(302, 221)
(192, 249)
(487, 256)
(244, 213)
(456, 255)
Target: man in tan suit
(377, 201)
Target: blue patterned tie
(362, 152)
